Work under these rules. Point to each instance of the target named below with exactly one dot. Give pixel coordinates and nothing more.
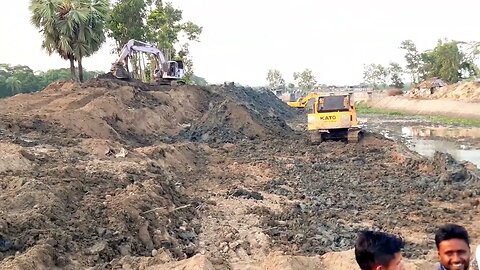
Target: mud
(122, 175)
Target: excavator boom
(302, 102)
(166, 71)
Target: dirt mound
(237, 113)
(12, 158)
(332, 261)
(134, 112)
(467, 91)
(90, 211)
(124, 175)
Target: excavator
(302, 102)
(333, 117)
(166, 72)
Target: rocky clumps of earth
(114, 174)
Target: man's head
(453, 247)
(378, 251)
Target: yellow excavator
(302, 102)
(333, 117)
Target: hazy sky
(242, 40)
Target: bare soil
(123, 175)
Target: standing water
(423, 137)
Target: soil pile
(134, 112)
(125, 175)
(237, 113)
(468, 91)
(71, 210)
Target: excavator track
(316, 138)
(353, 136)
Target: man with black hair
(378, 251)
(453, 246)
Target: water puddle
(455, 141)
(424, 138)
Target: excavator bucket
(120, 72)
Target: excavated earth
(123, 175)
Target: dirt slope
(468, 91)
(139, 113)
(117, 175)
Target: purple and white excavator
(166, 72)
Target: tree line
(450, 60)
(22, 79)
(303, 81)
(75, 29)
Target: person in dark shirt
(378, 251)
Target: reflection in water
(427, 147)
(441, 132)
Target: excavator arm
(138, 46)
(170, 70)
(302, 102)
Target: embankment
(443, 107)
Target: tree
(275, 79)
(413, 58)
(45, 16)
(14, 84)
(395, 73)
(22, 79)
(163, 27)
(375, 75)
(448, 62)
(88, 33)
(72, 28)
(305, 80)
(125, 22)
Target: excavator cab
(333, 117)
(172, 72)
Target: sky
(242, 40)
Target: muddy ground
(122, 175)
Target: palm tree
(72, 28)
(90, 34)
(45, 16)
(14, 84)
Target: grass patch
(454, 121)
(363, 108)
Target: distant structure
(427, 87)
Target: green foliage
(163, 26)
(446, 61)
(125, 21)
(375, 75)
(22, 79)
(395, 72)
(275, 79)
(305, 80)
(413, 58)
(74, 29)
